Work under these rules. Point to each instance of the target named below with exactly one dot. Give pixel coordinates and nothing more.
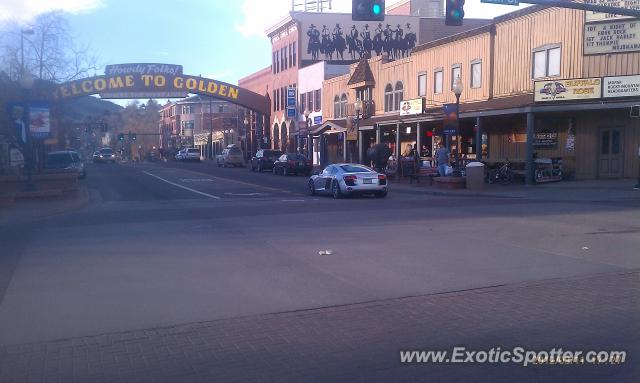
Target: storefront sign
(612, 37)
(39, 126)
(545, 140)
(563, 90)
(317, 120)
(621, 86)
(599, 16)
(412, 107)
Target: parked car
(104, 155)
(348, 179)
(188, 154)
(65, 161)
(264, 159)
(292, 163)
(231, 155)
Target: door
(610, 149)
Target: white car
(348, 179)
(188, 154)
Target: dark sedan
(264, 159)
(292, 163)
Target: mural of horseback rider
(398, 43)
(353, 42)
(327, 43)
(410, 40)
(387, 41)
(367, 43)
(314, 44)
(378, 39)
(339, 44)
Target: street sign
(317, 120)
(291, 92)
(503, 2)
(291, 112)
(291, 101)
(450, 119)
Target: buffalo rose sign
(565, 90)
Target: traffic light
(367, 10)
(455, 12)
(121, 137)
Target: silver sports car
(348, 179)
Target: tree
(50, 53)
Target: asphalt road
(167, 244)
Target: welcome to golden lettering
(145, 83)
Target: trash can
(475, 175)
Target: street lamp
(26, 82)
(28, 31)
(247, 151)
(358, 107)
(458, 87)
(307, 121)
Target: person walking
(442, 159)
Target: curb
(18, 216)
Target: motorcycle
(502, 175)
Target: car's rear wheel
(335, 190)
(311, 187)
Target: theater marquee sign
(158, 81)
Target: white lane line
(246, 194)
(182, 187)
(291, 200)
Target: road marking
(196, 180)
(182, 187)
(291, 200)
(246, 194)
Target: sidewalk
(592, 190)
(362, 342)
(23, 210)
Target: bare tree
(50, 53)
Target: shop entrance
(610, 161)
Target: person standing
(442, 159)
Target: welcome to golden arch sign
(144, 83)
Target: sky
(219, 39)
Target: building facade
(202, 122)
(533, 89)
(305, 38)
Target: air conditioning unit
(635, 111)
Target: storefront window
(388, 98)
(398, 95)
(546, 61)
(476, 75)
(437, 82)
(422, 84)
